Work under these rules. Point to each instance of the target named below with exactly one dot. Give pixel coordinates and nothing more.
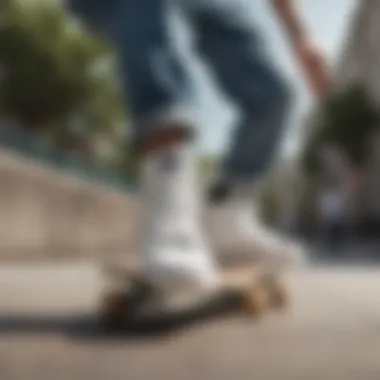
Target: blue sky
(327, 20)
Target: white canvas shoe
(237, 235)
(175, 256)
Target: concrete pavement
(47, 331)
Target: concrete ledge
(45, 213)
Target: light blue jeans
(158, 86)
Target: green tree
(347, 120)
(55, 76)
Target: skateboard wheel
(113, 309)
(255, 302)
(278, 296)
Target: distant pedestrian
(333, 211)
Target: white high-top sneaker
(238, 236)
(174, 253)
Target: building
(360, 58)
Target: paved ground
(47, 331)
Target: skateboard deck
(251, 290)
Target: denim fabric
(159, 87)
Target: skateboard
(130, 300)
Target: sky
(327, 20)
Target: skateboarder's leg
(232, 44)
(173, 251)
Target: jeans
(158, 86)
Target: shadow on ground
(155, 326)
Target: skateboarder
(175, 251)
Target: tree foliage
(55, 76)
(347, 120)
